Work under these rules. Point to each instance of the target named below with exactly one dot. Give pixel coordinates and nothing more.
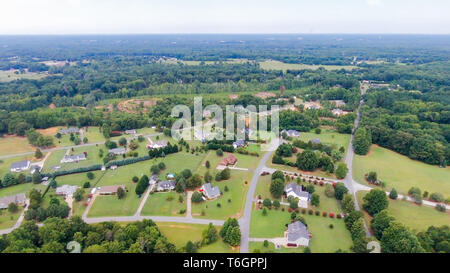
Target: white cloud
(374, 3)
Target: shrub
(331, 215)
(441, 207)
(331, 226)
(310, 212)
(324, 214)
(437, 197)
(303, 211)
(197, 197)
(86, 185)
(317, 213)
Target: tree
(341, 170)
(329, 190)
(207, 164)
(78, 195)
(357, 230)
(393, 194)
(315, 200)
(219, 152)
(155, 169)
(277, 187)
(190, 247)
(197, 197)
(120, 193)
(161, 165)
(380, 222)
(208, 177)
(122, 141)
(278, 174)
(372, 177)
(340, 190)
(12, 207)
(307, 161)
(8, 180)
(194, 181)
(90, 175)
(142, 185)
(264, 212)
(398, 239)
(310, 188)
(352, 217)
(437, 197)
(38, 153)
(36, 177)
(267, 203)
(362, 141)
(180, 186)
(276, 204)
(87, 185)
(348, 205)
(186, 173)
(375, 201)
(210, 234)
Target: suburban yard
(324, 238)
(400, 172)
(5, 164)
(8, 219)
(417, 218)
(111, 205)
(329, 137)
(164, 204)
(237, 191)
(180, 233)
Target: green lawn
(8, 219)
(5, 164)
(10, 75)
(92, 158)
(21, 188)
(110, 205)
(237, 193)
(400, 172)
(329, 137)
(416, 217)
(158, 204)
(277, 65)
(324, 239)
(14, 145)
(271, 248)
(180, 233)
(93, 134)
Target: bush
(324, 214)
(87, 185)
(437, 197)
(310, 212)
(317, 213)
(441, 207)
(331, 226)
(331, 215)
(90, 175)
(197, 197)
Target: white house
(165, 185)
(71, 130)
(117, 151)
(157, 144)
(73, 158)
(20, 166)
(66, 190)
(130, 132)
(294, 190)
(291, 133)
(297, 234)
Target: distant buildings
(297, 234)
(296, 191)
(110, 190)
(316, 141)
(73, 158)
(71, 130)
(229, 160)
(117, 151)
(210, 192)
(291, 133)
(130, 132)
(18, 199)
(66, 190)
(157, 144)
(20, 166)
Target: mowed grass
(329, 137)
(237, 192)
(164, 204)
(14, 145)
(277, 65)
(259, 246)
(400, 172)
(180, 233)
(324, 238)
(5, 164)
(92, 158)
(110, 205)
(10, 75)
(20, 188)
(418, 218)
(93, 134)
(8, 219)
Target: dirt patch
(48, 132)
(265, 95)
(135, 106)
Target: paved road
(244, 222)
(144, 199)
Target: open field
(110, 205)
(11, 75)
(417, 218)
(329, 137)
(180, 233)
(8, 219)
(277, 65)
(324, 239)
(14, 145)
(400, 172)
(21, 188)
(92, 158)
(237, 190)
(159, 204)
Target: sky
(224, 16)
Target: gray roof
(297, 189)
(239, 142)
(211, 191)
(154, 177)
(296, 231)
(167, 185)
(18, 198)
(74, 157)
(119, 150)
(66, 190)
(291, 132)
(316, 140)
(71, 130)
(20, 164)
(161, 143)
(131, 131)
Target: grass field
(110, 205)
(5, 164)
(180, 233)
(8, 219)
(21, 188)
(277, 65)
(237, 193)
(93, 134)
(10, 75)
(14, 145)
(324, 239)
(416, 217)
(400, 172)
(271, 248)
(92, 158)
(329, 137)
(158, 204)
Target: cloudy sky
(224, 16)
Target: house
(165, 185)
(239, 143)
(18, 199)
(71, 130)
(210, 192)
(229, 160)
(316, 141)
(35, 168)
(157, 144)
(73, 158)
(20, 166)
(297, 234)
(130, 132)
(66, 190)
(153, 179)
(117, 151)
(110, 190)
(296, 191)
(291, 133)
